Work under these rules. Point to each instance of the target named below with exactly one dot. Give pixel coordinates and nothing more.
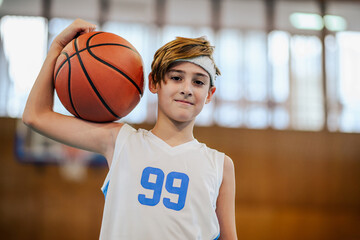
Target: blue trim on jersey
(105, 189)
(217, 237)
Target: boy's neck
(172, 132)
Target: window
(268, 80)
(307, 102)
(279, 51)
(349, 81)
(23, 43)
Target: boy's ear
(152, 86)
(210, 94)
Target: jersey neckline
(163, 144)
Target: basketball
(99, 77)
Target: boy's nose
(186, 89)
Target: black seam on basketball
(99, 45)
(69, 79)
(117, 44)
(69, 85)
(94, 46)
(62, 64)
(91, 83)
(109, 65)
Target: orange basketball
(99, 77)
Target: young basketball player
(163, 183)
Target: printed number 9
(181, 191)
(157, 186)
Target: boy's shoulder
(127, 128)
(210, 150)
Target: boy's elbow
(32, 118)
(28, 119)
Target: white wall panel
(348, 10)
(143, 11)
(188, 12)
(86, 9)
(283, 10)
(243, 14)
(21, 7)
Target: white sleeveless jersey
(155, 191)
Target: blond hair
(180, 48)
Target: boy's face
(184, 91)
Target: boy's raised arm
(39, 114)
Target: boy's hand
(75, 29)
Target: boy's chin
(183, 119)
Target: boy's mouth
(184, 102)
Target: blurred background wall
(287, 111)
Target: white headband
(206, 63)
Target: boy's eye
(176, 78)
(198, 82)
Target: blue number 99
(156, 187)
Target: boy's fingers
(88, 29)
(77, 28)
(83, 26)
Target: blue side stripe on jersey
(105, 189)
(217, 237)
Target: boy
(162, 184)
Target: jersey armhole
(121, 139)
(221, 162)
(220, 171)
